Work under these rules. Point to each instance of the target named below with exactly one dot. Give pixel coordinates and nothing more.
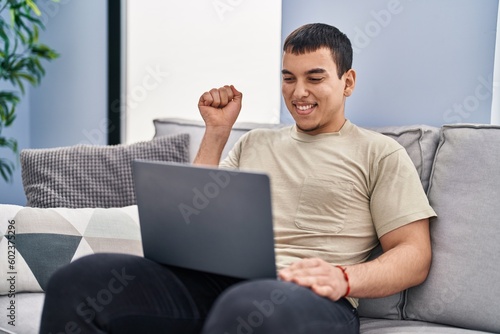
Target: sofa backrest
(463, 287)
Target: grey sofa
(459, 166)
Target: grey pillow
(420, 142)
(463, 287)
(92, 176)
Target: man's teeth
(305, 107)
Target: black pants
(112, 293)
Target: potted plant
(21, 54)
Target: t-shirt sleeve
(232, 161)
(398, 197)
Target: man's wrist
(218, 131)
(346, 277)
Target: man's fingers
(306, 281)
(237, 96)
(205, 99)
(216, 100)
(219, 97)
(226, 95)
(289, 274)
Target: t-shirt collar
(301, 136)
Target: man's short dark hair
(313, 36)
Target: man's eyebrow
(311, 71)
(316, 71)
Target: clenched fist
(220, 107)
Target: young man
(338, 191)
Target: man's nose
(300, 90)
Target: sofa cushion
(28, 313)
(92, 176)
(196, 129)
(35, 242)
(381, 326)
(420, 142)
(463, 287)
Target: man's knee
(251, 306)
(82, 269)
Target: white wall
(176, 50)
(418, 61)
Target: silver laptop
(206, 219)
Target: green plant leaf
(5, 38)
(9, 143)
(12, 16)
(10, 116)
(44, 51)
(30, 78)
(34, 7)
(6, 169)
(17, 82)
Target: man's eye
(288, 79)
(314, 79)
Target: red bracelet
(346, 279)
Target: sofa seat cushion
(92, 176)
(35, 242)
(27, 314)
(463, 286)
(382, 326)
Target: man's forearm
(211, 146)
(395, 270)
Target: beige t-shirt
(333, 194)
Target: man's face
(313, 92)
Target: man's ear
(350, 82)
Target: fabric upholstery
(381, 326)
(46, 239)
(28, 313)
(92, 176)
(463, 287)
(420, 142)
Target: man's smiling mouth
(305, 109)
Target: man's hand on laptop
(318, 275)
(220, 107)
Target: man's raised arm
(219, 108)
